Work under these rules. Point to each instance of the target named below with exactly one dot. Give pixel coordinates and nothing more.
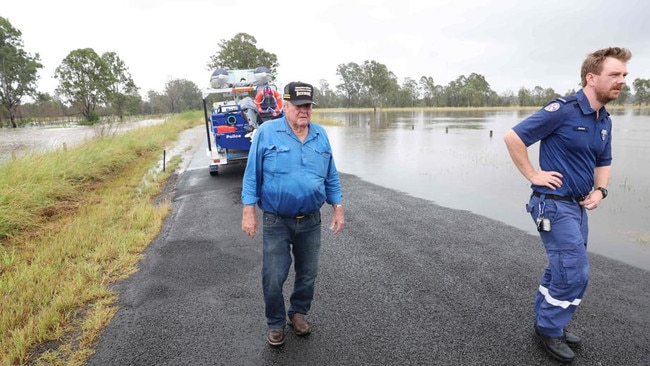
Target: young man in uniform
(575, 158)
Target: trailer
(231, 121)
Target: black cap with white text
(299, 93)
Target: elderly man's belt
(559, 198)
(299, 216)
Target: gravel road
(406, 283)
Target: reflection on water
(458, 159)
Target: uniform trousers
(565, 278)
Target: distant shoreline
(455, 109)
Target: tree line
(371, 84)
(92, 86)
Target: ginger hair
(594, 61)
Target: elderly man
(290, 174)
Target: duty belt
(559, 198)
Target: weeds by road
(72, 222)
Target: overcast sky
(512, 43)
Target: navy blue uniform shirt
(573, 141)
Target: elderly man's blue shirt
(286, 176)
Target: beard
(606, 96)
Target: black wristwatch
(602, 190)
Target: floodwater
(454, 159)
(459, 160)
(15, 142)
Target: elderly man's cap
(299, 93)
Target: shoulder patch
(552, 107)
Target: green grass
(74, 221)
(325, 121)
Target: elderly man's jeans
(282, 237)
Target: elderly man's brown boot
(276, 337)
(299, 324)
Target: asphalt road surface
(406, 283)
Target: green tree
(18, 70)
(241, 52)
(469, 91)
(156, 103)
(453, 92)
(537, 95)
(507, 98)
(477, 90)
(182, 95)
(525, 97)
(549, 94)
(641, 91)
(84, 82)
(430, 91)
(352, 78)
(410, 93)
(122, 92)
(377, 82)
(45, 106)
(571, 92)
(325, 96)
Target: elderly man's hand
(249, 221)
(338, 219)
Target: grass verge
(74, 221)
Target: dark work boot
(556, 347)
(571, 339)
